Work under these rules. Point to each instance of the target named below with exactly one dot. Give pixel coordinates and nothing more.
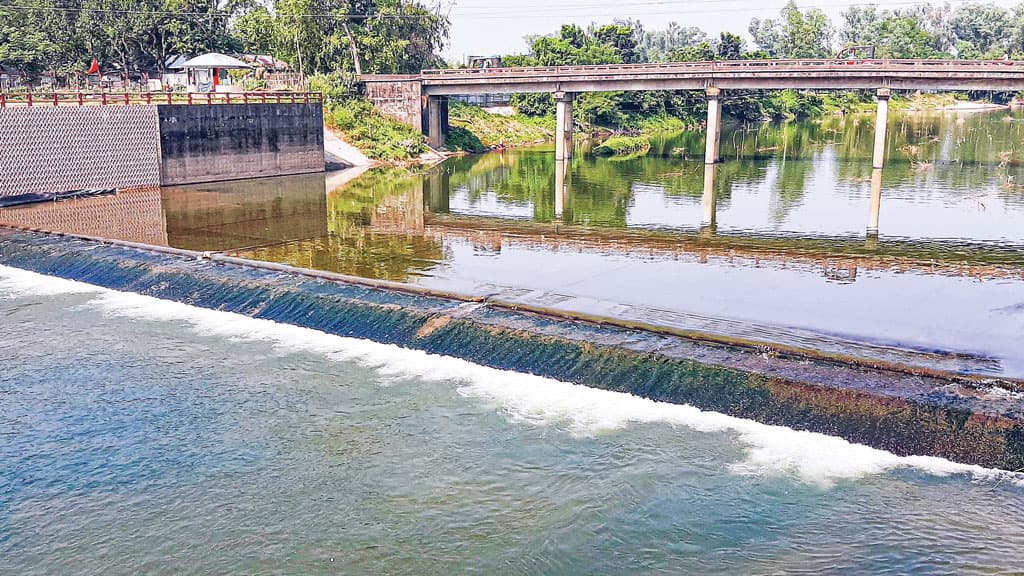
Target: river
(207, 442)
(214, 443)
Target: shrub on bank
(623, 146)
(474, 129)
(349, 113)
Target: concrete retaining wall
(46, 150)
(51, 150)
(398, 97)
(235, 141)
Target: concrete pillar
(876, 201)
(710, 219)
(563, 125)
(714, 135)
(437, 120)
(881, 120)
(562, 189)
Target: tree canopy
(383, 36)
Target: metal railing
(51, 99)
(789, 66)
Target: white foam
(771, 450)
(15, 282)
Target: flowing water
(207, 442)
(145, 436)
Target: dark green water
(145, 436)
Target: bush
(379, 137)
(473, 129)
(623, 146)
(460, 139)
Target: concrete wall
(47, 149)
(205, 143)
(398, 97)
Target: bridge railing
(51, 99)
(878, 65)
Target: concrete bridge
(421, 99)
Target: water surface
(787, 260)
(145, 436)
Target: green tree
(795, 34)
(620, 37)
(980, 28)
(657, 45)
(730, 46)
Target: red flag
(94, 68)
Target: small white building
(208, 73)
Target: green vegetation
(473, 129)
(371, 36)
(623, 146)
(356, 120)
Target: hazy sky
(484, 27)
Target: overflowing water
(145, 436)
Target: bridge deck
(737, 74)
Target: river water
(788, 259)
(208, 442)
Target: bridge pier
(714, 129)
(563, 125)
(437, 120)
(881, 122)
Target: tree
(795, 34)
(980, 28)
(904, 38)
(767, 35)
(730, 46)
(702, 52)
(896, 34)
(323, 36)
(860, 26)
(657, 45)
(26, 40)
(620, 37)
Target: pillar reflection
(709, 221)
(562, 189)
(876, 201)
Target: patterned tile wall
(60, 149)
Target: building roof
(212, 60)
(266, 61)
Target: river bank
(473, 130)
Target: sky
(486, 27)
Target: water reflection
(207, 217)
(773, 237)
(709, 222)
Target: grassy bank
(354, 118)
(473, 129)
(379, 137)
